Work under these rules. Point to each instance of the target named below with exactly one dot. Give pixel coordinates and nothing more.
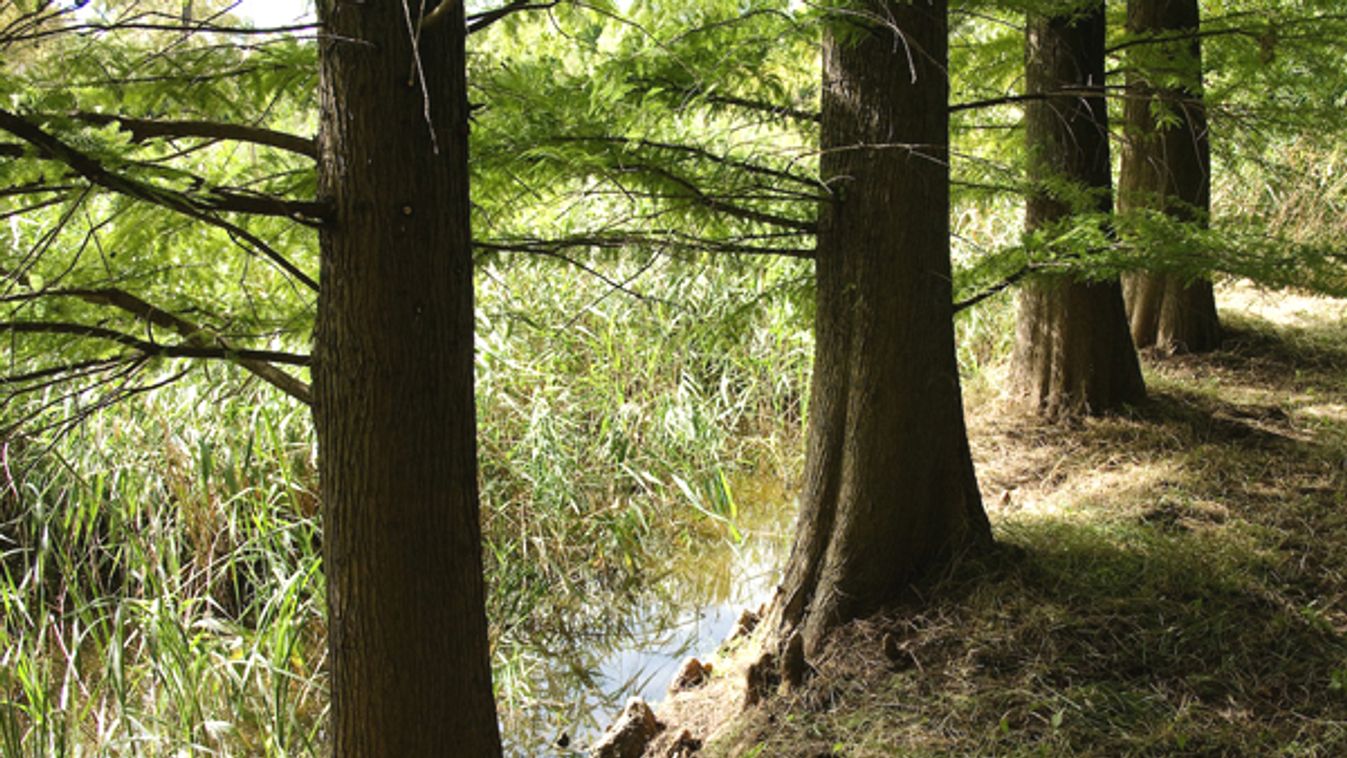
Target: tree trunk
(889, 484)
(393, 390)
(1167, 167)
(1073, 352)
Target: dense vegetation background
(645, 189)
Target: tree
(393, 389)
(889, 488)
(1166, 166)
(1073, 352)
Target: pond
(581, 681)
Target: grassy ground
(1168, 581)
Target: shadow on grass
(1172, 580)
(1256, 343)
(1104, 640)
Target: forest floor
(1169, 580)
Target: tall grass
(160, 571)
(161, 583)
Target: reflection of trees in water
(579, 662)
(572, 693)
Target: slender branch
(1181, 36)
(479, 21)
(193, 333)
(152, 27)
(1029, 98)
(143, 129)
(714, 203)
(618, 241)
(35, 188)
(65, 370)
(993, 290)
(152, 349)
(308, 212)
(772, 108)
(622, 287)
(32, 207)
(95, 172)
(699, 152)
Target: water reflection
(631, 642)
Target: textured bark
(1167, 168)
(393, 391)
(1073, 353)
(1172, 314)
(889, 486)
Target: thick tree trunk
(1167, 167)
(393, 390)
(889, 485)
(1073, 352)
(1171, 314)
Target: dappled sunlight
(1081, 495)
(604, 310)
(1280, 307)
(1169, 579)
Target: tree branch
(308, 212)
(152, 349)
(479, 21)
(1029, 98)
(995, 289)
(143, 129)
(153, 27)
(772, 108)
(696, 195)
(193, 333)
(35, 188)
(89, 168)
(703, 153)
(617, 241)
(78, 368)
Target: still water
(581, 681)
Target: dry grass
(1169, 581)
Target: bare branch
(64, 371)
(1031, 97)
(35, 188)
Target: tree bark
(889, 485)
(393, 391)
(1167, 167)
(1073, 353)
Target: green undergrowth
(613, 428)
(160, 576)
(1168, 581)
